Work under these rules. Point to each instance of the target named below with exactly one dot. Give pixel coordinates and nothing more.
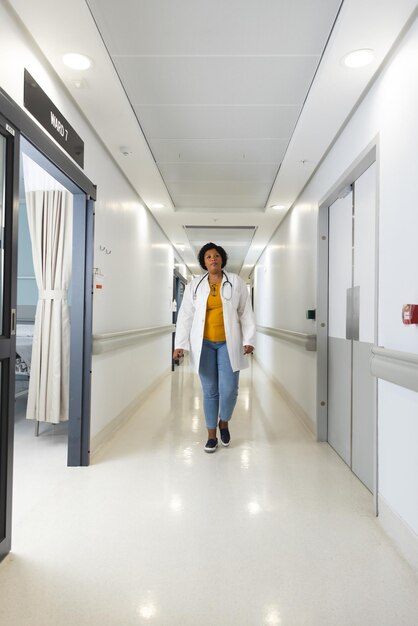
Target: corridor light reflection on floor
(247, 402)
(253, 508)
(272, 617)
(147, 610)
(176, 504)
(195, 424)
(188, 456)
(245, 459)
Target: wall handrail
(105, 342)
(301, 339)
(400, 368)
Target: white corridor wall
(285, 277)
(137, 286)
(284, 287)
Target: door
(80, 302)
(352, 326)
(9, 155)
(178, 291)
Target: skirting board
(104, 435)
(295, 406)
(404, 538)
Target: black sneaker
(225, 436)
(211, 445)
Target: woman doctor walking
(216, 325)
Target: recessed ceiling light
(76, 61)
(157, 205)
(277, 207)
(358, 58)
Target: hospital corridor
(273, 530)
(208, 313)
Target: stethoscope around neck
(226, 293)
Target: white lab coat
(238, 320)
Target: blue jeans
(219, 382)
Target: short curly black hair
(211, 246)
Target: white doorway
(351, 326)
(347, 317)
(66, 278)
(43, 324)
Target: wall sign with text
(44, 110)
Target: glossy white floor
(274, 530)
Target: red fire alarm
(410, 313)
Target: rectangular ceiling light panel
(235, 240)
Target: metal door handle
(13, 322)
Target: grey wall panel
(339, 396)
(364, 410)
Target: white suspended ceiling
(217, 87)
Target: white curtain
(50, 212)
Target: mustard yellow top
(214, 321)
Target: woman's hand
(248, 349)
(178, 354)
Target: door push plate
(352, 330)
(349, 314)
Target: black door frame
(8, 336)
(15, 122)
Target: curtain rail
(300, 339)
(112, 341)
(396, 367)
